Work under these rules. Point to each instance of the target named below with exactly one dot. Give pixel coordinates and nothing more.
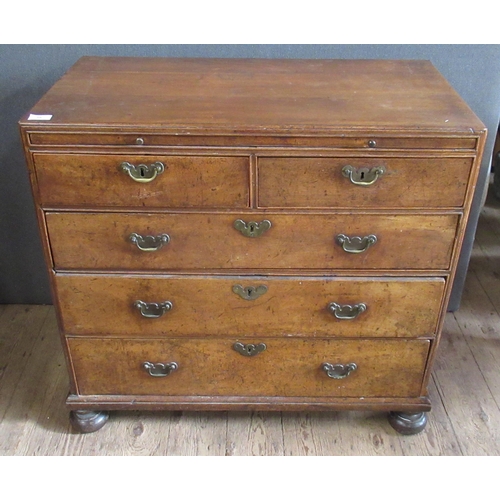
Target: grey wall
(28, 71)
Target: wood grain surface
(256, 94)
(188, 181)
(208, 306)
(407, 182)
(287, 368)
(99, 241)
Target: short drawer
(86, 180)
(390, 182)
(189, 241)
(280, 367)
(191, 306)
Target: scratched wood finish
(211, 367)
(201, 306)
(189, 95)
(99, 241)
(319, 182)
(188, 181)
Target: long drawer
(287, 367)
(85, 180)
(392, 182)
(189, 241)
(184, 306)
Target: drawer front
(327, 182)
(287, 367)
(225, 306)
(101, 241)
(176, 181)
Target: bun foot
(88, 421)
(408, 423)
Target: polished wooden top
(255, 95)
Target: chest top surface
(255, 95)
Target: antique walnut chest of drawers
(251, 234)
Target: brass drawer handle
(149, 243)
(346, 311)
(160, 369)
(252, 229)
(363, 176)
(356, 244)
(250, 292)
(143, 173)
(153, 309)
(249, 349)
(338, 371)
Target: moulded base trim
(211, 403)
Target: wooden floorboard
(254, 434)
(464, 389)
